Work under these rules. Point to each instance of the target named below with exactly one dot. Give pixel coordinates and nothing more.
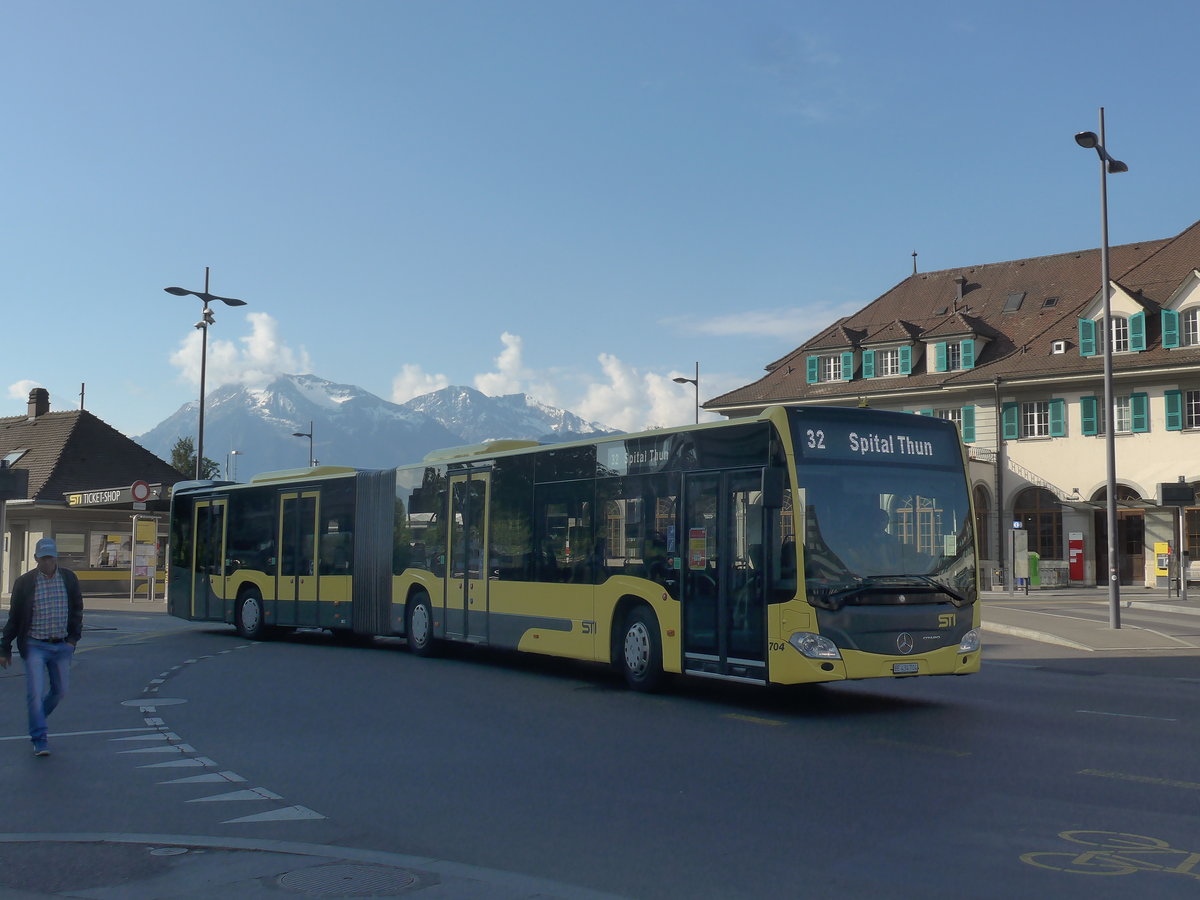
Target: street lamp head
(1115, 165)
(301, 434)
(682, 380)
(1085, 139)
(205, 296)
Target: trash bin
(1035, 577)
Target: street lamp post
(695, 382)
(206, 318)
(307, 434)
(1089, 141)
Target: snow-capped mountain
(351, 426)
(477, 417)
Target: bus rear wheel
(418, 625)
(641, 651)
(249, 617)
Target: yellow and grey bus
(799, 545)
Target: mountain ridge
(351, 426)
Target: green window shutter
(968, 424)
(1010, 421)
(1137, 331)
(1174, 410)
(1087, 415)
(967, 354)
(813, 364)
(1170, 328)
(939, 357)
(1087, 337)
(1058, 417)
(868, 364)
(847, 367)
(1139, 408)
(906, 360)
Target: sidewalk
(1034, 617)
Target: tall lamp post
(206, 318)
(308, 434)
(695, 382)
(1089, 141)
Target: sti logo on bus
(946, 620)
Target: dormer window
(1127, 334)
(829, 367)
(1189, 327)
(953, 356)
(1120, 334)
(1058, 347)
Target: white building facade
(1010, 351)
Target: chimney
(39, 402)
(960, 281)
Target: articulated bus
(799, 545)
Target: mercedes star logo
(904, 642)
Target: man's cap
(45, 547)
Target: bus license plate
(909, 668)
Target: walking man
(45, 615)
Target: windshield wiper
(956, 598)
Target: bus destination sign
(883, 441)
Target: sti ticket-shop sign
(894, 440)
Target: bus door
(296, 583)
(723, 589)
(467, 574)
(208, 560)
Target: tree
(183, 459)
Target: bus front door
(296, 584)
(724, 584)
(467, 575)
(208, 560)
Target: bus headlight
(969, 642)
(814, 646)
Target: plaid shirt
(49, 620)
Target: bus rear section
(887, 549)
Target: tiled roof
(1053, 291)
(75, 451)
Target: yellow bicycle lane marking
(1116, 853)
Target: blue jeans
(45, 662)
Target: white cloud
(619, 396)
(413, 382)
(20, 390)
(262, 357)
(794, 325)
(632, 400)
(510, 374)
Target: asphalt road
(188, 759)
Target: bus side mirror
(773, 487)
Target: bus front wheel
(418, 625)
(641, 651)
(250, 615)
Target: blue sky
(577, 199)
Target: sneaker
(41, 749)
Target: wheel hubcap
(637, 648)
(420, 625)
(250, 614)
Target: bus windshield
(872, 519)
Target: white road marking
(207, 777)
(194, 761)
(279, 815)
(1093, 712)
(258, 793)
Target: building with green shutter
(1010, 352)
